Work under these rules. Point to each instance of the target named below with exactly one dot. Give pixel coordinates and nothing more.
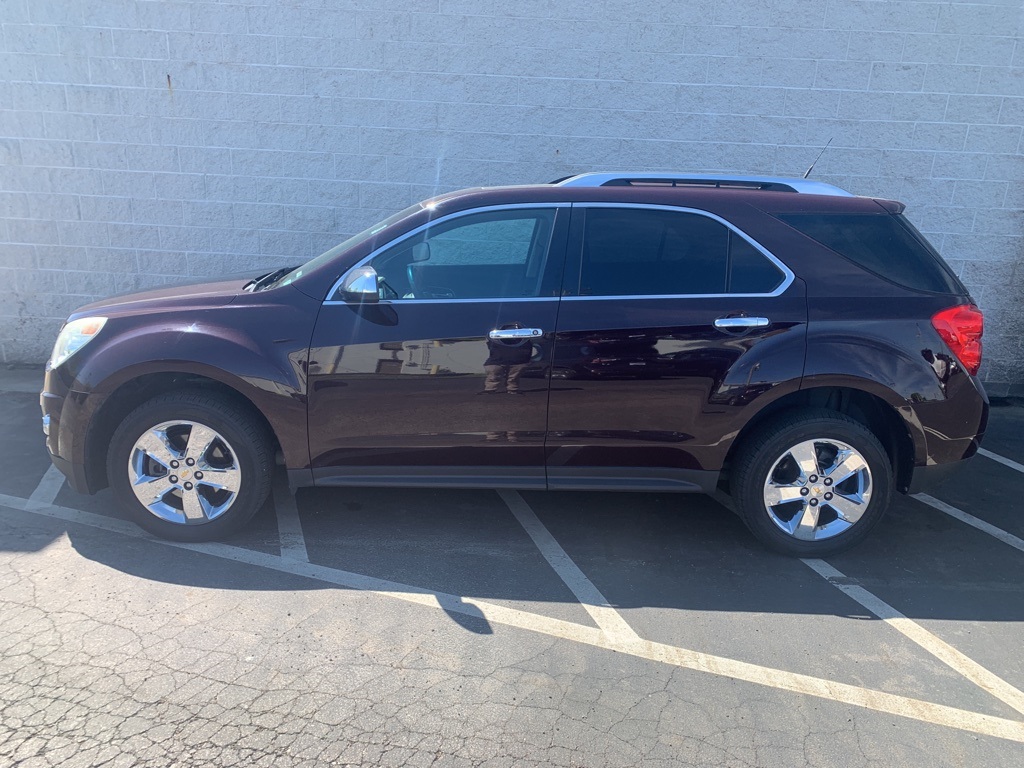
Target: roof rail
(676, 179)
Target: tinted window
(749, 270)
(887, 245)
(502, 241)
(636, 252)
(492, 255)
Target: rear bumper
(950, 432)
(926, 478)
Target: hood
(195, 293)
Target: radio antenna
(818, 158)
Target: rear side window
(884, 244)
(643, 252)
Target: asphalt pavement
(382, 627)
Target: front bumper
(65, 415)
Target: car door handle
(741, 323)
(500, 334)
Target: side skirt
(646, 479)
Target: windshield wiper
(264, 281)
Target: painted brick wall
(144, 141)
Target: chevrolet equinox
(802, 349)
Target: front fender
(233, 345)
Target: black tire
(769, 447)
(243, 445)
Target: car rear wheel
(190, 466)
(812, 483)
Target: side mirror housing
(360, 286)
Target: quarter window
(644, 252)
(882, 243)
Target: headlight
(73, 336)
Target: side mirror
(360, 286)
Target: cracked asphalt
(428, 628)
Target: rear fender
(875, 364)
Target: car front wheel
(190, 466)
(811, 484)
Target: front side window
(489, 255)
(645, 252)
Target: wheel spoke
(145, 484)
(221, 479)
(780, 494)
(804, 523)
(194, 505)
(805, 455)
(156, 445)
(157, 506)
(849, 508)
(851, 464)
(199, 440)
(153, 488)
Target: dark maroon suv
(802, 349)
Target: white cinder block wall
(144, 141)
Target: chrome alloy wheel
(184, 472)
(817, 489)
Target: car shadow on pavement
(686, 553)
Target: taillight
(961, 328)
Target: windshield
(325, 257)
